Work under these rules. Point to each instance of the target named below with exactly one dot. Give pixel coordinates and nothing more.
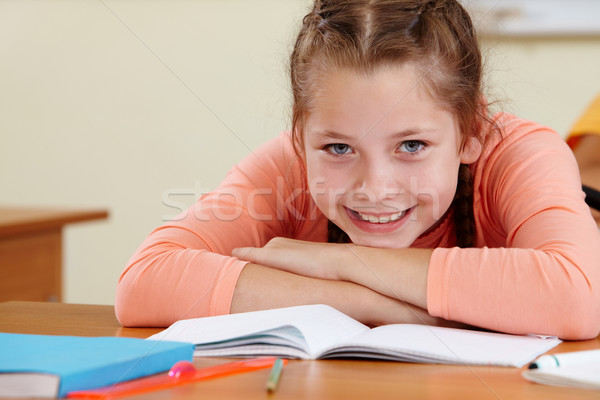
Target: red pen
(181, 373)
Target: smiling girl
(394, 198)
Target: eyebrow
(334, 135)
(328, 134)
(412, 131)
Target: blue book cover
(52, 366)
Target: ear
(471, 151)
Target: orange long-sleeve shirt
(535, 267)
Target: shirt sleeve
(543, 276)
(184, 269)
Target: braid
(464, 221)
(335, 234)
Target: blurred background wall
(140, 106)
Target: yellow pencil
(274, 375)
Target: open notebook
(320, 331)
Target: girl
(440, 212)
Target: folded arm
(185, 268)
(261, 287)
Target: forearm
(400, 274)
(161, 285)
(396, 273)
(261, 287)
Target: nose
(377, 180)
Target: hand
(315, 260)
(397, 273)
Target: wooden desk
(31, 251)
(330, 379)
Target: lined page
(422, 343)
(319, 325)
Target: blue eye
(411, 146)
(338, 148)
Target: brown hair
(437, 36)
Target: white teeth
(383, 219)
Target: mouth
(380, 219)
(379, 222)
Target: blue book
(52, 366)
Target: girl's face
(382, 157)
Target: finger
(257, 255)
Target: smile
(379, 223)
(382, 219)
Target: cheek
(314, 173)
(326, 184)
(446, 195)
(436, 190)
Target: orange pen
(181, 373)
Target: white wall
(548, 80)
(123, 104)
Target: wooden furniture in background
(322, 379)
(31, 251)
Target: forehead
(406, 78)
(387, 97)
